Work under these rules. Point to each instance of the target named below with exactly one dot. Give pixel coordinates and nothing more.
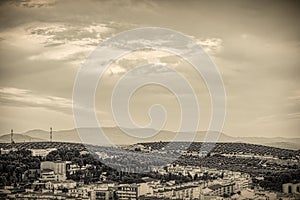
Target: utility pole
(11, 137)
(50, 134)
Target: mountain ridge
(118, 137)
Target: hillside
(219, 148)
(19, 138)
(118, 137)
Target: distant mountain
(19, 138)
(118, 137)
(280, 142)
(284, 145)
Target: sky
(255, 45)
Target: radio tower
(11, 137)
(50, 134)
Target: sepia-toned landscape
(149, 99)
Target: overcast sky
(255, 44)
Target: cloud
(57, 41)
(158, 57)
(278, 117)
(295, 96)
(211, 45)
(34, 3)
(27, 98)
(117, 70)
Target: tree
(65, 190)
(196, 177)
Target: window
(290, 189)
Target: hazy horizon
(202, 131)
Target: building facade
(291, 188)
(59, 170)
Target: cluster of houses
(51, 183)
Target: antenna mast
(11, 137)
(50, 134)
